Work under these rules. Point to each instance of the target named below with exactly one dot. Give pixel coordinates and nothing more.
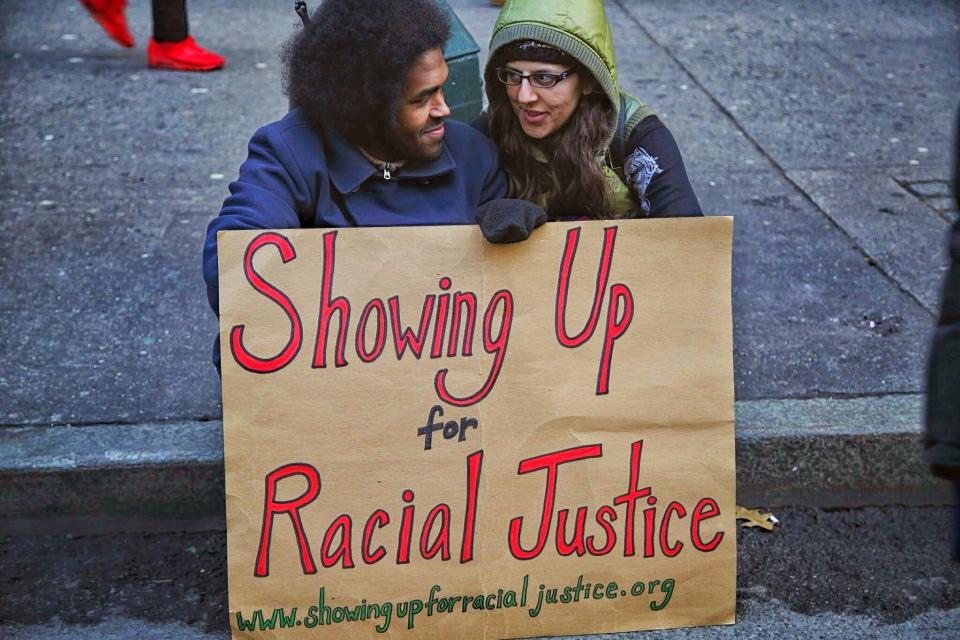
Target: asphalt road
(868, 573)
(820, 125)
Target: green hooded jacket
(580, 28)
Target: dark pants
(956, 521)
(170, 20)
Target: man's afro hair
(346, 68)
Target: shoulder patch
(639, 169)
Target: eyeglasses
(540, 80)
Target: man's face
(418, 134)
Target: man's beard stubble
(399, 148)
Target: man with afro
(369, 142)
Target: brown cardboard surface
(345, 447)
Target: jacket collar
(349, 169)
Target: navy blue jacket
(296, 176)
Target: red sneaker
(184, 55)
(110, 15)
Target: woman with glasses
(569, 139)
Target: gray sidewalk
(823, 127)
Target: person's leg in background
(170, 20)
(171, 46)
(956, 521)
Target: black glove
(509, 220)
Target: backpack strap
(617, 154)
(301, 8)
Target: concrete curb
(169, 476)
(98, 478)
(829, 453)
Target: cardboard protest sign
(427, 435)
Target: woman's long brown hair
(572, 181)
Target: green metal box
(463, 89)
